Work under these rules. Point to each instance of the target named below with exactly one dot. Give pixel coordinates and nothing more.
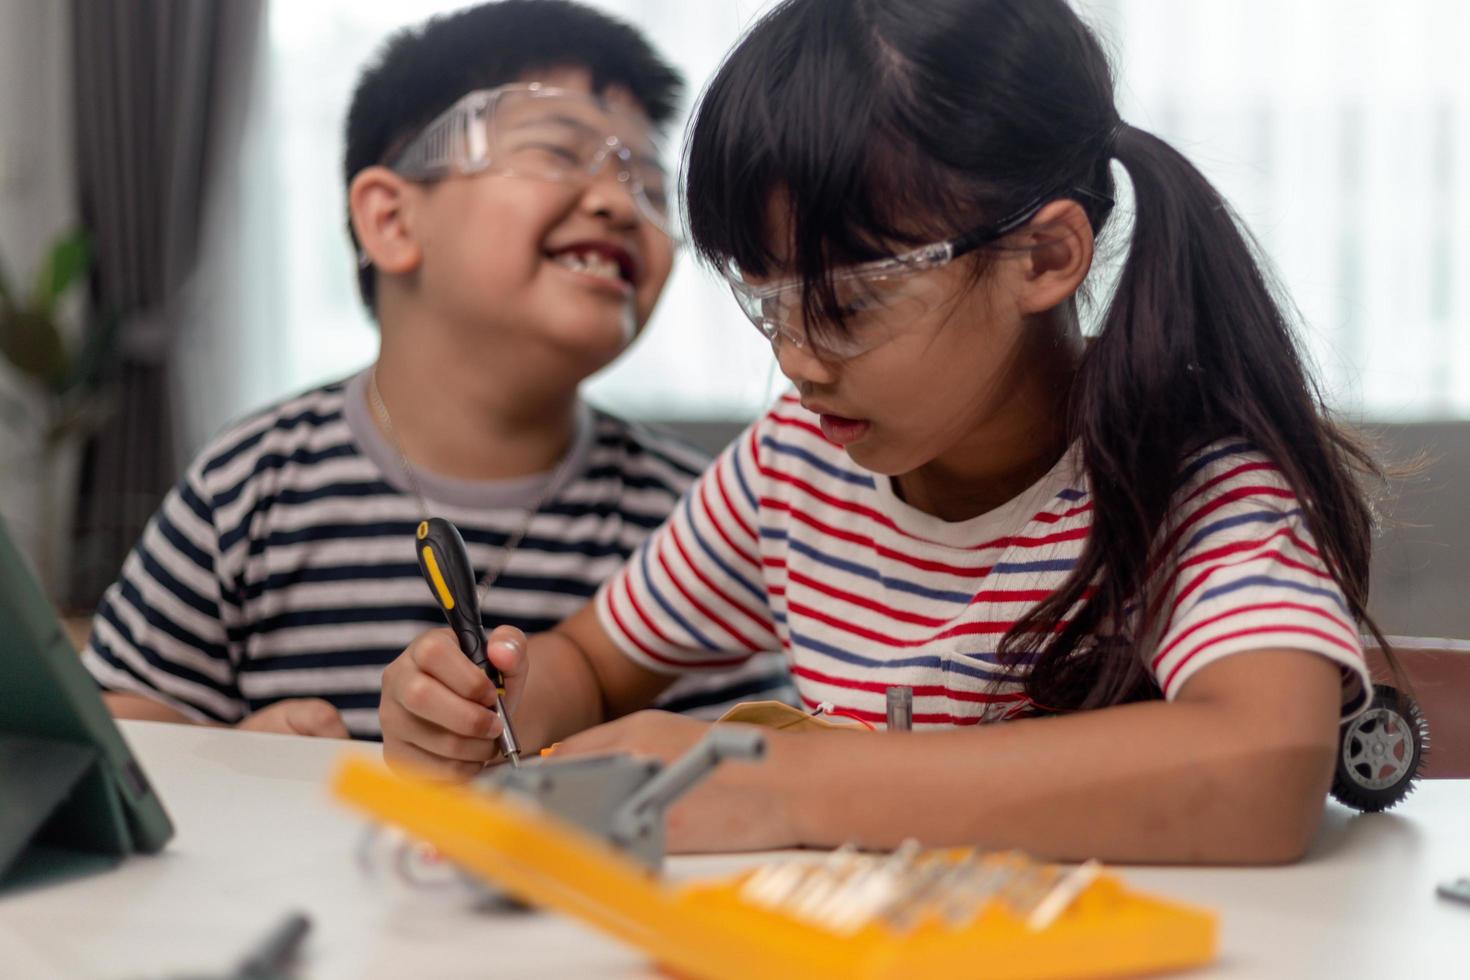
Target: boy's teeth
(590, 263)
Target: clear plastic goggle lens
(872, 308)
(545, 134)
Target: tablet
(72, 797)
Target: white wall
(37, 178)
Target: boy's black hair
(883, 122)
(421, 71)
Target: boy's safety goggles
(544, 133)
(874, 299)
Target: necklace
(553, 486)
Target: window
(1338, 129)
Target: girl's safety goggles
(544, 133)
(873, 299)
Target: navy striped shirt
(282, 564)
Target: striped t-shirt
(785, 541)
(283, 566)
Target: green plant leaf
(32, 343)
(69, 259)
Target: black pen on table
(277, 952)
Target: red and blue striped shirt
(785, 543)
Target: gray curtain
(150, 80)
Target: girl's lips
(842, 430)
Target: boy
(510, 218)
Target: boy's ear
(380, 204)
(1058, 252)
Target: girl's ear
(380, 204)
(1057, 255)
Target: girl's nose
(799, 364)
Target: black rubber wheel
(1381, 752)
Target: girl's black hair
(885, 122)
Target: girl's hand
(735, 808)
(436, 708)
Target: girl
(964, 496)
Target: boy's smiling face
(509, 260)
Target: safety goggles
(545, 134)
(872, 300)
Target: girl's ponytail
(1194, 348)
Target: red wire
(848, 714)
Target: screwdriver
(446, 567)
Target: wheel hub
(1377, 749)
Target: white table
(258, 834)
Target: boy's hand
(436, 709)
(297, 716)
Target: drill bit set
(848, 890)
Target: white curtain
(1340, 130)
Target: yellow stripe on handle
(446, 598)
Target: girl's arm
(578, 678)
(1235, 770)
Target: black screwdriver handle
(445, 564)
